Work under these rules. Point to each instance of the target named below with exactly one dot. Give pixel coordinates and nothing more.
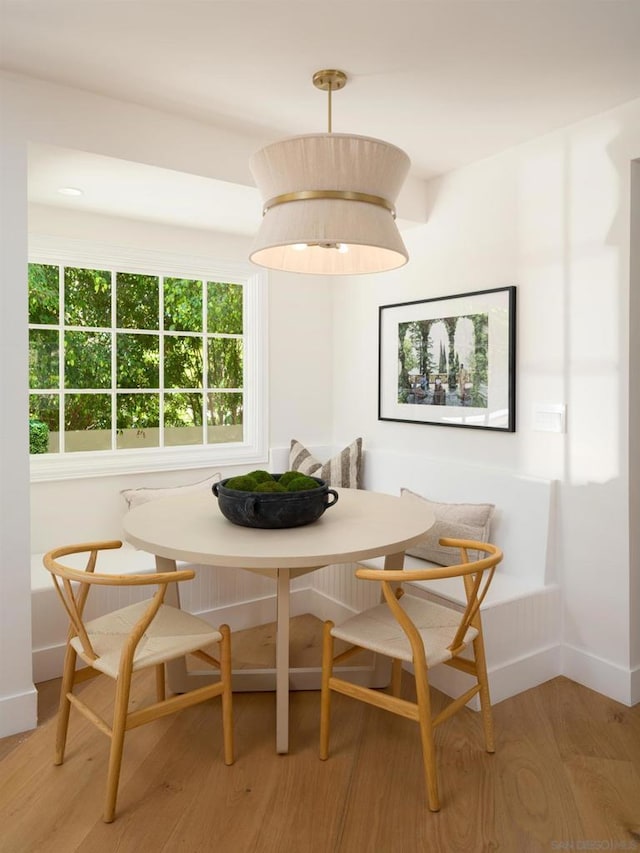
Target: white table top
(362, 524)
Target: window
(129, 363)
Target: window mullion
(161, 384)
(205, 362)
(61, 364)
(114, 365)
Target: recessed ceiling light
(70, 191)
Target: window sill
(72, 466)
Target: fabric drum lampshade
(350, 228)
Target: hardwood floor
(565, 776)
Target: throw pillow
(136, 497)
(342, 470)
(456, 521)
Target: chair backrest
(476, 574)
(72, 587)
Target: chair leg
(426, 736)
(485, 699)
(325, 695)
(160, 683)
(227, 702)
(396, 676)
(123, 687)
(65, 706)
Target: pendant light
(329, 200)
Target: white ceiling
(138, 191)
(450, 82)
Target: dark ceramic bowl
(274, 509)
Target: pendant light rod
(329, 80)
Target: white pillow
(136, 497)
(342, 470)
(453, 521)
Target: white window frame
(254, 448)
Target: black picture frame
(422, 349)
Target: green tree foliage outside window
(38, 436)
(137, 301)
(87, 360)
(44, 297)
(100, 372)
(87, 297)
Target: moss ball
(288, 476)
(243, 483)
(261, 476)
(302, 484)
(269, 486)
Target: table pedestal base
(282, 679)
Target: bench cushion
(503, 587)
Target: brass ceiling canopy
(330, 80)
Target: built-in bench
(521, 614)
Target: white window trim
(255, 448)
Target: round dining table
(191, 528)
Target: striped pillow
(344, 469)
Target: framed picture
(450, 361)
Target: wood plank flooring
(565, 776)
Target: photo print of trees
(443, 361)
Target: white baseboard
(505, 680)
(515, 676)
(601, 675)
(47, 662)
(635, 685)
(19, 712)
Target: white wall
(300, 316)
(551, 217)
(634, 421)
(17, 694)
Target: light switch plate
(549, 417)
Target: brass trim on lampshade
(345, 195)
(330, 205)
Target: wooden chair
(141, 635)
(412, 629)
